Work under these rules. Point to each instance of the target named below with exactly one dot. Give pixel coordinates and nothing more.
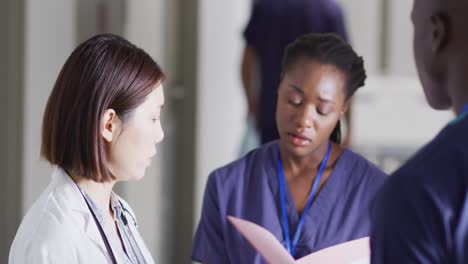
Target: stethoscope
(127, 212)
(123, 216)
(100, 228)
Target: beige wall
(220, 100)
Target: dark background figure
(272, 25)
(421, 213)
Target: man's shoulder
(436, 171)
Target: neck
(298, 164)
(456, 83)
(98, 191)
(458, 105)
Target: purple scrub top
(248, 189)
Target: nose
(305, 117)
(159, 134)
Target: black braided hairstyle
(327, 49)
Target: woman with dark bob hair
(101, 126)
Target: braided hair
(328, 49)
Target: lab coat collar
(70, 198)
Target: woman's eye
(323, 111)
(293, 102)
(155, 119)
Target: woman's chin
(136, 176)
(139, 176)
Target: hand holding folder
(352, 252)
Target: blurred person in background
(101, 126)
(273, 24)
(305, 188)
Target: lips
(299, 139)
(148, 162)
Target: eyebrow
(326, 100)
(322, 99)
(297, 88)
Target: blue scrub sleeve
(208, 243)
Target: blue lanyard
(285, 222)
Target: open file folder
(352, 252)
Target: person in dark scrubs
(307, 190)
(421, 213)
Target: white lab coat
(59, 228)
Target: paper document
(352, 252)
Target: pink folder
(352, 252)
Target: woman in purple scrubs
(304, 188)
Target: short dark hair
(328, 49)
(106, 71)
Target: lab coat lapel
(69, 194)
(141, 244)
